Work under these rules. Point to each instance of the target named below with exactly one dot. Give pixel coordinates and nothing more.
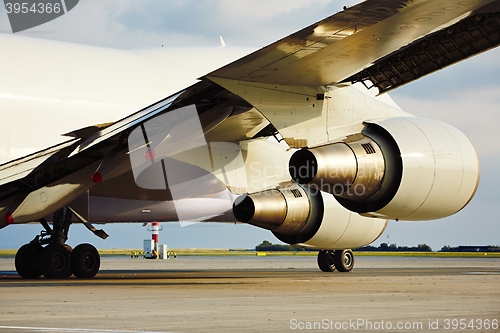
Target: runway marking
(84, 330)
(482, 273)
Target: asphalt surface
(258, 294)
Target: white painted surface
(50, 88)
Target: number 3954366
(35, 8)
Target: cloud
(243, 22)
(130, 24)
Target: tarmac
(258, 294)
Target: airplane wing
(386, 43)
(103, 151)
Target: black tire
(344, 260)
(85, 261)
(55, 261)
(326, 260)
(27, 261)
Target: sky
(465, 95)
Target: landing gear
(27, 261)
(342, 260)
(325, 261)
(85, 261)
(57, 260)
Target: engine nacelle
(397, 168)
(302, 215)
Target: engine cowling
(397, 168)
(299, 214)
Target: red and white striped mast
(155, 228)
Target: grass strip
(227, 252)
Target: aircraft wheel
(55, 261)
(326, 261)
(344, 260)
(85, 261)
(26, 261)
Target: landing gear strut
(48, 255)
(342, 260)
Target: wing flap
(472, 35)
(126, 123)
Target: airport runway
(258, 294)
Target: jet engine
(396, 168)
(300, 214)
